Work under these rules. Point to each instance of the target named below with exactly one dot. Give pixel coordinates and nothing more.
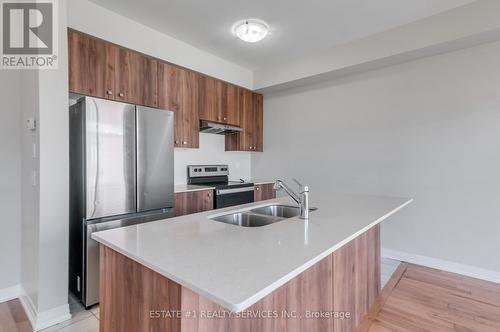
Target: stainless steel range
(227, 193)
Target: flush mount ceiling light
(251, 30)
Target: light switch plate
(31, 124)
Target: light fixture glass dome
(251, 30)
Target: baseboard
(10, 293)
(466, 270)
(44, 319)
(29, 308)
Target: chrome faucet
(302, 198)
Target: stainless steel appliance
(121, 173)
(227, 193)
(218, 128)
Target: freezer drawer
(91, 278)
(155, 159)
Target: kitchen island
(192, 273)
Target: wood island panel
(135, 298)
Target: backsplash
(211, 151)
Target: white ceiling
(299, 28)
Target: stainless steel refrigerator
(121, 173)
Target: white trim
(10, 293)
(52, 316)
(466, 270)
(44, 319)
(29, 307)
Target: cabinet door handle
(257, 188)
(176, 142)
(121, 94)
(225, 119)
(109, 92)
(184, 142)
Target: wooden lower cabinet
(264, 191)
(343, 285)
(193, 202)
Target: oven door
(231, 197)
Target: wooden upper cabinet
(233, 104)
(248, 121)
(210, 105)
(258, 122)
(110, 61)
(87, 65)
(136, 78)
(103, 70)
(251, 117)
(178, 92)
(219, 101)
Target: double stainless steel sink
(260, 216)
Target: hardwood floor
(13, 317)
(417, 298)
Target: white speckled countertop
(260, 181)
(237, 266)
(182, 188)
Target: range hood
(218, 128)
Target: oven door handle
(233, 191)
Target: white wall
(10, 179)
(90, 18)
(54, 178)
(428, 129)
(30, 199)
(44, 201)
(211, 151)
